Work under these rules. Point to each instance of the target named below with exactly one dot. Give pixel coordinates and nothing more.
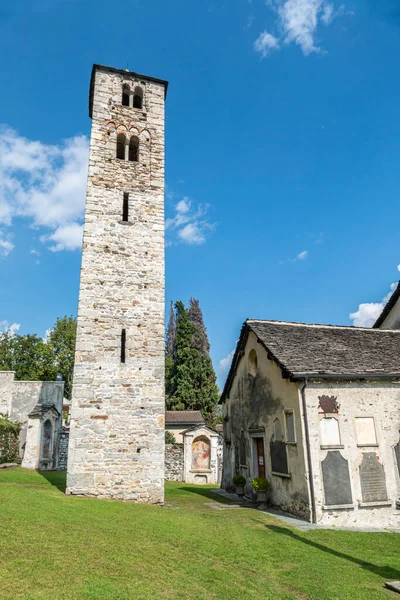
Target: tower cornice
(127, 74)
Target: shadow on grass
(385, 572)
(56, 478)
(207, 493)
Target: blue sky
(282, 153)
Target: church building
(316, 410)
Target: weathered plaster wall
(392, 321)
(174, 462)
(255, 401)
(358, 399)
(6, 389)
(177, 430)
(26, 394)
(116, 447)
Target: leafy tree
(35, 359)
(62, 344)
(169, 437)
(27, 355)
(193, 382)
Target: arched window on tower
(125, 95)
(138, 98)
(121, 141)
(134, 149)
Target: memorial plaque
(397, 453)
(372, 477)
(329, 430)
(336, 479)
(279, 463)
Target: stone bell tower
(116, 447)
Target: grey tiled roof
(40, 409)
(303, 350)
(183, 417)
(306, 349)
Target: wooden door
(260, 457)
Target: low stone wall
(174, 462)
(63, 449)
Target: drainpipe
(309, 462)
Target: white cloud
(188, 224)
(367, 313)
(46, 337)
(297, 21)
(265, 43)
(5, 246)
(44, 183)
(398, 267)
(68, 237)
(183, 205)
(192, 234)
(302, 255)
(225, 363)
(327, 15)
(7, 327)
(34, 252)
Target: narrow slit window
(121, 146)
(138, 98)
(123, 345)
(134, 149)
(125, 96)
(125, 207)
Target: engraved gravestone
(279, 463)
(373, 481)
(336, 479)
(397, 453)
(277, 447)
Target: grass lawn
(57, 547)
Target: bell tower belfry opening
(116, 447)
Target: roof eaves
(388, 307)
(244, 333)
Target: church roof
(388, 307)
(303, 350)
(183, 417)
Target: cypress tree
(193, 382)
(169, 352)
(200, 340)
(170, 341)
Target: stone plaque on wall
(397, 453)
(365, 428)
(329, 431)
(336, 479)
(279, 463)
(373, 481)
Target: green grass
(57, 547)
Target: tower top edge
(126, 74)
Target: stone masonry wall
(174, 462)
(116, 445)
(63, 449)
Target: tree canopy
(36, 359)
(190, 377)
